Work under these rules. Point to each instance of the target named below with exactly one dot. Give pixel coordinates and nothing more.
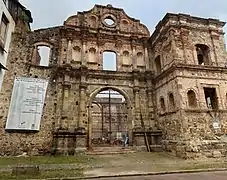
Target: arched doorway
(109, 121)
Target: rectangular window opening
(3, 30)
(109, 61)
(211, 98)
(43, 55)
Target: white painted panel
(26, 105)
(10, 29)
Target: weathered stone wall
(206, 32)
(169, 119)
(198, 124)
(75, 74)
(75, 77)
(189, 132)
(196, 79)
(15, 142)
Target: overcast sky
(47, 13)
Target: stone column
(65, 104)
(184, 33)
(134, 63)
(212, 36)
(137, 107)
(89, 143)
(130, 120)
(147, 64)
(136, 90)
(150, 104)
(173, 44)
(137, 98)
(34, 56)
(100, 44)
(59, 104)
(65, 100)
(69, 52)
(149, 92)
(97, 58)
(84, 54)
(118, 45)
(83, 108)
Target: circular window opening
(109, 21)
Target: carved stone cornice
(118, 43)
(67, 67)
(83, 70)
(135, 73)
(149, 75)
(100, 41)
(83, 85)
(136, 89)
(67, 84)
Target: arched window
(109, 61)
(42, 55)
(93, 22)
(171, 101)
(157, 62)
(192, 102)
(162, 104)
(91, 55)
(140, 59)
(76, 53)
(126, 58)
(202, 54)
(124, 22)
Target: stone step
(115, 148)
(109, 153)
(110, 150)
(156, 148)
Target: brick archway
(121, 91)
(128, 112)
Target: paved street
(192, 176)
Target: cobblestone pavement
(191, 176)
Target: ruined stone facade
(13, 15)
(173, 81)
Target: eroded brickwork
(189, 130)
(154, 75)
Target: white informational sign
(216, 125)
(26, 105)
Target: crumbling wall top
(187, 21)
(108, 18)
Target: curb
(142, 174)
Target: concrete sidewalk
(177, 175)
(133, 164)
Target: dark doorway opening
(211, 98)
(202, 54)
(109, 119)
